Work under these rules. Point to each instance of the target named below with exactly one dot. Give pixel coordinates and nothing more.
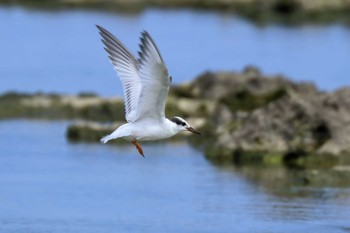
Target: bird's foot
(138, 147)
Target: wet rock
(257, 115)
(244, 116)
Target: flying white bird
(145, 83)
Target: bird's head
(182, 125)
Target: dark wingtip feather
(146, 40)
(101, 29)
(144, 33)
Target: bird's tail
(116, 134)
(106, 138)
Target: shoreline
(246, 117)
(289, 12)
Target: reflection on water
(61, 51)
(295, 196)
(283, 181)
(50, 185)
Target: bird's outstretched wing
(145, 81)
(128, 70)
(154, 79)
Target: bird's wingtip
(105, 139)
(144, 33)
(100, 28)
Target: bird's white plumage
(145, 81)
(127, 68)
(155, 80)
(146, 84)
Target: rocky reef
(272, 116)
(53, 106)
(245, 117)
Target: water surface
(51, 185)
(60, 51)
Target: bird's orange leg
(138, 147)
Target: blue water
(51, 185)
(60, 51)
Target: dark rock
(257, 115)
(244, 117)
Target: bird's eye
(183, 124)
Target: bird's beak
(193, 130)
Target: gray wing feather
(128, 70)
(154, 78)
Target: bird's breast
(151, 132)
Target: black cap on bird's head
(183, 125)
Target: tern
(145, 84)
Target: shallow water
(60, 51)
(51, 185)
